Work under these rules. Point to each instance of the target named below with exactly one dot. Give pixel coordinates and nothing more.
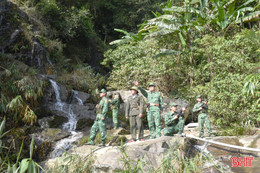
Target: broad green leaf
(23, 165)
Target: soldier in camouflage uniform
(155, 106)
(100, 122)
(174, 121)
(115, 105)
(134, 111)
(202, 109)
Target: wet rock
(78, 97)
(82, 111)
(53, 134)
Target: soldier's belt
(154, 104)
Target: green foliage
(20, 91)
(219, 70)
(83, 78)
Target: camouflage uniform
(202, 117)
(115, 105)
(100, 125)
(155, 104)
(134, 107)
(173, 124)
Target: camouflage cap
(103, 91)
(134, 88)
(198, 96)
(174, 104)
(152, 84)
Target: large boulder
(109, 159)
(52, 134)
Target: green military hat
(174, 104)
(103, 91)
(152, 84)
(134, 88)
(117, 93)
(198, 96)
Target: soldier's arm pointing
(143, 91)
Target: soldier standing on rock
(174, 121)
(202, 109)
(115, 105)
(100, 123)
(155, 106)
(134, 111)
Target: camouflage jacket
(134, 105)
(153, 97)
(170, 118)
(102, 108)
(198, 105)
(115, 103)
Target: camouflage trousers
(174, 128)
(171, 130)
(115, 117)
(154, 122)
(204, 119)
(181, 125)
(136, 120)
(100, 126)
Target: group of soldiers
(174, 120)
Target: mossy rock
(54, 134)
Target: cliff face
(19, 37)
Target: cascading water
(75, 95)
(70, 126)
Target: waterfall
(70, 126)
(58, 105)
(75, 95)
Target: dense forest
(187, 47)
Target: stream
(70, 126)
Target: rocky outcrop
(109, 159)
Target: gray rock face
(109, 159)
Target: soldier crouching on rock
(174, 121)
(100, 122)
(134, 111)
